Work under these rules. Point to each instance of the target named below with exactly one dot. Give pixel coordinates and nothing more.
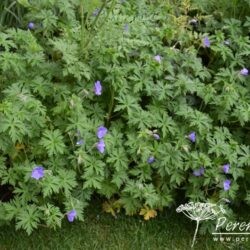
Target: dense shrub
(136, 102)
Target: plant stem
(99, 13)
(82, 24)
(196, 230)
(111, 104)
(94, 22)
(99, 28)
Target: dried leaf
(148, 213)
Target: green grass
(11, 13)
(103, 232)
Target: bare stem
(196, 230)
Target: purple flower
(101, 132)
(156, 136)
(100, 146)
(244, 72)
(71, 215)
(206, 42)
(192, 136)
(126, 27)
(226, 185)
(31, 25)
(80, 142)
(226, 168)
(199, 172)
(37, 172)
(157, 58)
(151, 159)
(96, 12)
(98, 88)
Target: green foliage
(53, 142)
(50, 114)
(28, 218)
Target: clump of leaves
(173, 101)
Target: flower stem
(196, 230)
(111, 105)
(94, 23)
